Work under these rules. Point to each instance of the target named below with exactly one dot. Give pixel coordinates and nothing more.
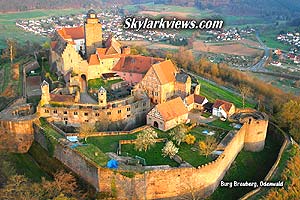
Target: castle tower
(197, 89)
(93, 33)
(45, 93)
(102, 96)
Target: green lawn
(98, 82)
(152, 156)
(224, 125)
(213, 92)
(94, 154)
(109, 143)
(249, 166)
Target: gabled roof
(73, 33)
(112, 46)
(165, 71)
(101, 51)
(172, 109)
(93, 60)
(194, 98)
(226, 106)
(135, 64)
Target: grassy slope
(248, 166)
(25, 165)
(212, 92)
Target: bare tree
(245, 92)
(86, 129)
(207, 146)
(10, 51)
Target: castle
(135, 90)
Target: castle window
(119, 111)
(128, 109)
(97, 114)
(46, 111)
(128, 115)
(101, 101)
(55, 111)
(108, 113)
(86, 120)
(86, 114)
(65, 112)
(156, 93)
(75, 113)
(65, 119)
(144, 104)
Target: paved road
(260, 65)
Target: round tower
(92, 33)
(255, 125)
(45, 98)
(102, 96)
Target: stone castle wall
(159, 183)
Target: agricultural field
(8, 28)
(234, 48)
(213, 92)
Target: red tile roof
(71, 33)
(172, 109)
(101, 51)
(224, 104)
(135, 64)
(61, 98)
(93, 60)
(165, 71)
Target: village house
(223, 109)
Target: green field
(213, 92)
(269, 39)
(160, 8)
(8, 28)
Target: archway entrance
(155, 124)
(83, 83)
